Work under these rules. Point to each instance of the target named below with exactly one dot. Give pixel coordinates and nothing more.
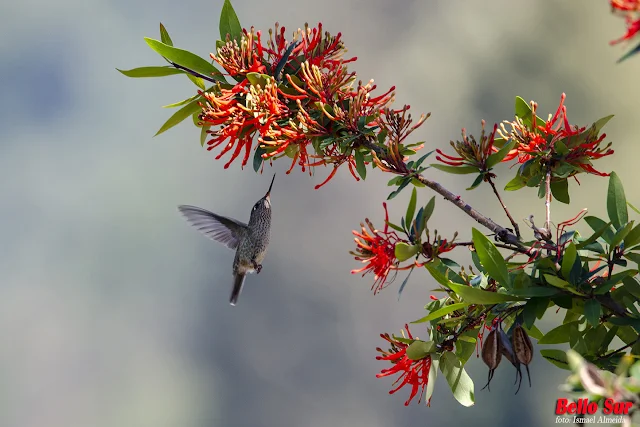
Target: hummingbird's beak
(268, 195)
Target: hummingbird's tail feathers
(224, 230)
(238, 283)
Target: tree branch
(495, 191)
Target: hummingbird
(250, 241)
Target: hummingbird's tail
(238, 283)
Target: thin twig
(495, 191)
(547, 201)
(193, 73)
(605, 356)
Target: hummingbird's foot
(257, 267)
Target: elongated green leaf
(433, 375)
(420, 349)
(534, 291)
(496, 158)
(636, 210)
(629, 54)
(181, 103)
(179, 116)
(360, 166)
(257, 158)
(534, 332)
(196, 81)
(404, 183)
(632, 238)
(411, 208)
(516, 183)
(164, 36)
(568, 259)
(592, 311)
(151, 72)
(562, 284)
(404, 251)
(476, 182)
(616, 202)
(457, 170)
(557, 357)
(490, 257)
(459, 381)
(560, 190)
(621, 234)
(523, 110)
(597, 224)
(203, 134)
(632, 286)
(559, 334)
(186, 59)
(442, 311)
(229, 23)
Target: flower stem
(547, 201)
(513, 223)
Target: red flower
(539, 141)
(376, 249)
(412, 372)
(625, 5)
(633, 28)
(631, 11)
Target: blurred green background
(113, 312)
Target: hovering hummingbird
(250, 241)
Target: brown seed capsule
(507, 351)
(492, 354)
(522, 347)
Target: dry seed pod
(507, 351)
(492, 354)
(522, 348)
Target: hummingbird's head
(263, 206)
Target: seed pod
(522, 348)
(507, 351)
(492, 354)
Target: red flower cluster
(412, 372)
(471, 152)
(541, 141)
(631, 10)
(376, 249)
(292, 96)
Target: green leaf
(557, 357)
(534, 332)
(196, 81)
(476, 182)
(442, 312)
(616, 202)
(164, 36)
(592, 311)
(457, 170)
(203, 134)
(428, 209)
(411, 209)
(151, 72)
(632, 238)
(433, 375)
(459, 381)
(496, 158)
(404, 183)
(420, 349)
(597, 224)
(403, 251)
(600, 227)
(186, 59)
(179, 116)
(636, 210)
(523, 110)
(560, 190)
(516, 183)
(181, 103)
(562, 284)
(474, 295)
(360, 166)
(229, 23)
(257, 158)
(568, 259)
(558, 335)
(632, 286)
(534, 291)
(490, 257)
(621, 234)
(629, 54)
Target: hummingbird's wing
(219, 228)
